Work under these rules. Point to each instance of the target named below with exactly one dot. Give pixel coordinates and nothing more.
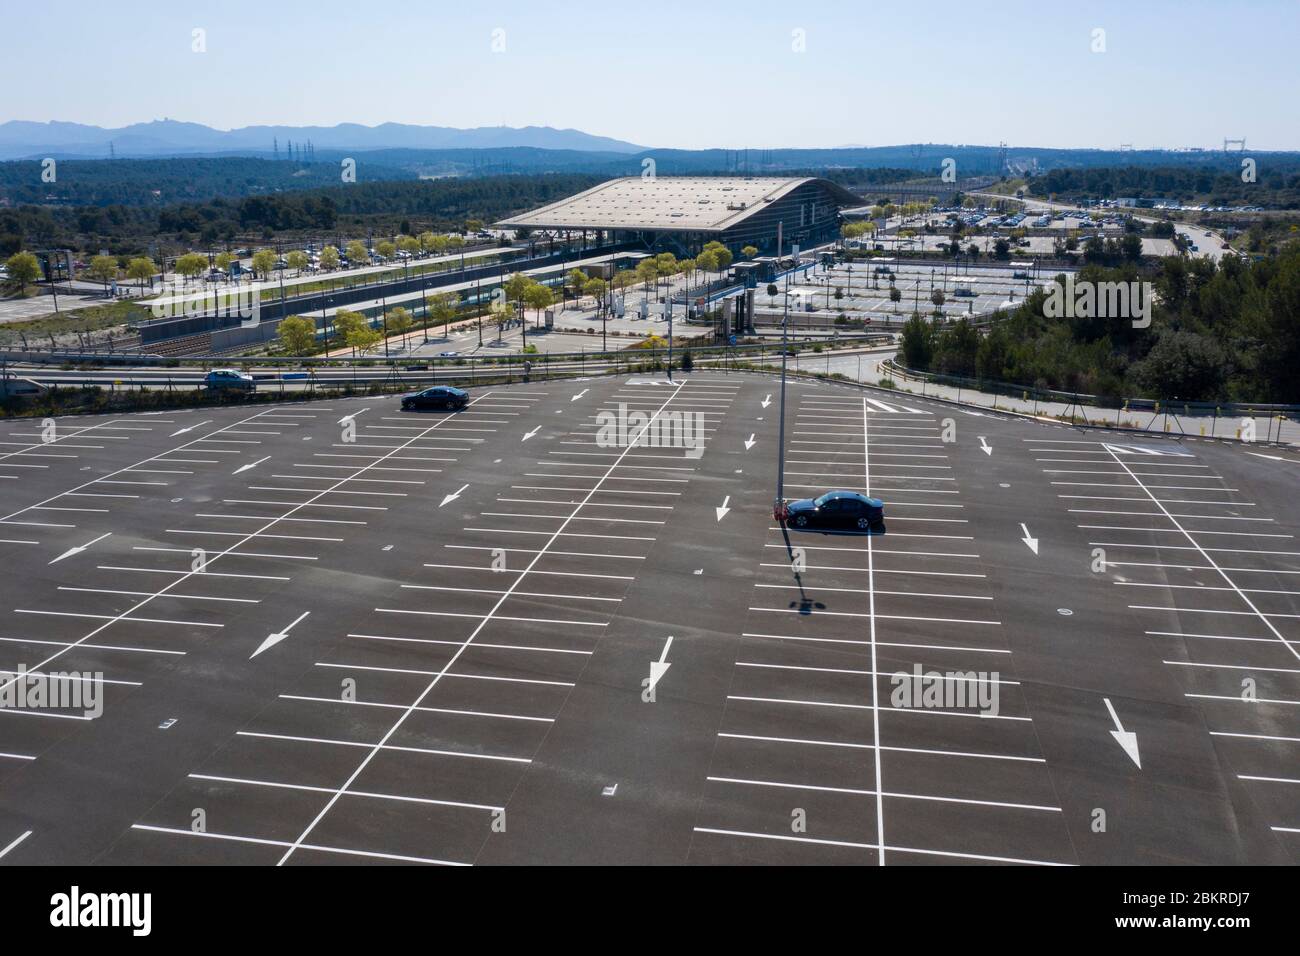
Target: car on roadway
(448, 354)
(444, 397)
(229, 379)
(838, 511)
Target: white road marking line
(211, 574)
(394, 747)
(185, 597)
(455, 657)
(261, 841)
(909, 711)
(498, 647)
(424, 710)
(113, 617)
(868, 793)
(95, 647)
(449, 674)
(19, 839)
(874, 846)
(906, 750)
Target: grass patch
(91, 318)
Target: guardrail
(33, 357)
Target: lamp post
(780, 441)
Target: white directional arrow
(189, 428)
(1127, 739)
(579, 395)
(347, 418)
(79, 548)
(276, 638)
(749, 442)
(722, 512)
(454, 495)
(1031, 542)
(767, 401)
(660, 667)
(984, 447)
(530, 434)
(251, 464)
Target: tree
(357, 252)
(329, 258)
(23, 269)
(722, 256)
(749, 252)
(347, 322)
(442, 309)
(917, 343)
(576, 279)
(408, 244)
(516, 286)
(363, 338)
(141, 268)
(1002, 249)
(1183, 365)
(665, 265)
(538, 297)
(500, 313)
(594, 287)
(103, 269)
(386, 248)
(224, 261)
(707, 260)
(647, 272)
(297, 335)
(425, 239)
(937, 297)
(264, 261)
(399, 322)
(191, 264)
(296, 260)
(473, 225)
(895, 294)
(772, 292)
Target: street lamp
(777, 505)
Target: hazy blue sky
(670, 73)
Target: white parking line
(433, 683)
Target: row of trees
(1229, 331)
(137, 217)
(296, 334)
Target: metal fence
(1243, 421)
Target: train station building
(679, 214)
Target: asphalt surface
(338, 633)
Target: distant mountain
(22, 139)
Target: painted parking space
(340, 632)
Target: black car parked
(838, 511)
(440, 396)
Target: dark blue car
(440, 396)
(838, 511)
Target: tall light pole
(668, 312)
(780, 440)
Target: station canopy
(669, 203)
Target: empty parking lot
(337, 632)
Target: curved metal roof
(669, 203)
